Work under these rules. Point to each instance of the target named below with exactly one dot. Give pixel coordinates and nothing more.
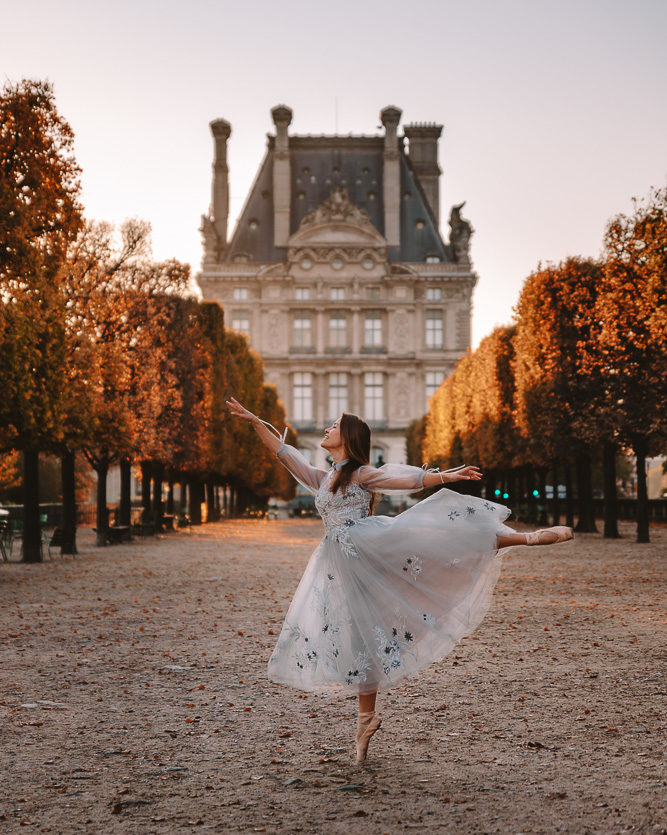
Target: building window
(373, 395)
(372, 292)
(433, 259)
(303, 396)
(241, 322)
(302, 330)
(337, 330)
(302, 294)
(337, 394)
(373, 329)
(433, 381)
(240, 294)
(337, 294)
(433, 294)
(434, 329)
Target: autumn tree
(555, 316)
(628, 358)
(40, 215)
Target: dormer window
(433, 259)
(337, 264)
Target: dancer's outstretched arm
(265, 434)
(304, 472)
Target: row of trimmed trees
(582, 371)
(105, 353)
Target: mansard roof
(320, 164)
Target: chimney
(221, 131)
(282, 117)
(423, 140)
(391, 176)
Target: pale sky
(555, 112)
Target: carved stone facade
(338, 273)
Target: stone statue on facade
(460, 234)
(337, 207)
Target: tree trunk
(610, 497)
(641, 448)
(490, 487)
(586, 521)
(528, 497)
(210, 502)
(146, 491)
(555, 502)
(569, 504)
(68, 542)
(542, 518)
(32, 534)
(170, 494)
(125, 506)
(158, 507)
(194, 494)
(102, 513)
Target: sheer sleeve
(307, 475)
(391, 478)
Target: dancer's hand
(240, 411)
(471, 473)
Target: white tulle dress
(383, 597)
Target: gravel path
(133, 698)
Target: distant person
(383, 597)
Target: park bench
(168, 521)
(119, 533)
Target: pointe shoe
(549, 536)
(367, 724)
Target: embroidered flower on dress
(357, 672)
(470, 510)
(454, 513)
(413, 564)
(488, 506)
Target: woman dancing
(383, 597)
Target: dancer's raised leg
(545, 536)
(367, 723)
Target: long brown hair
(356, 436)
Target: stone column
(354, 337)
(354, 393)
(391, 176)
(282, 117)
(221, 131)
(321, 398)
(320, 321)
(424, 158)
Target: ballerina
(383, 597)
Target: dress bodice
(340, 508)
(339, 511)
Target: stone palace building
(339, 275)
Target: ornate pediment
(336, 223)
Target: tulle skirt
(410, 587)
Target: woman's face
(332, 438)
